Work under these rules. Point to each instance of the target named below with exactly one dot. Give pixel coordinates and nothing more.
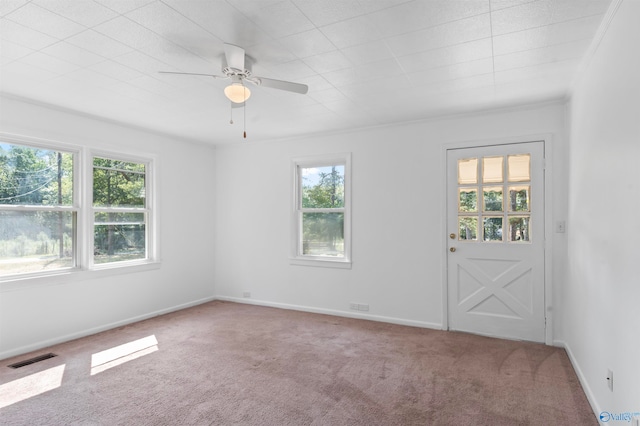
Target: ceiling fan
(237, 68)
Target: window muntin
(120, 210)
(321, 210)
(37, 211)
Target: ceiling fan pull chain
(244, 113)
(231, 113)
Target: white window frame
(83, 206)
(74, 208)
(296, 256)
(148, 210)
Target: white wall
(32, 316)
(398, 183)
(601, 312)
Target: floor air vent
(32, 360)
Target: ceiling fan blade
(234, 56)
(281, 85)
(193, 73)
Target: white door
(495, 219)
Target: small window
(120, 211)
(38, 213)
(321, 217)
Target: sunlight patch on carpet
(31, 385)
(101, 361)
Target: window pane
(492, 169)
(118, 165)
(118, 218)
(520, 229)
(468, 228)
(32, 176)
(323, 187)
(519, 198)
(519, 168)
(118, 183)
(118, 240)
(468, 171)
(468, 200)
(492, 196)
(323, 234)
(492, 228)
(36, 241)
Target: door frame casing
(547, 141)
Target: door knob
(452, 236)
(452, 249)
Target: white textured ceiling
(367, 62)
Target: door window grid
(503, 214)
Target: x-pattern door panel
(498, 287)
(496, 246)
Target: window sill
(18, 282)
(322, 263)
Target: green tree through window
(119, 190)
(322, 209)
(37, 216)
(323, 232)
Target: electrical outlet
(359, 307)
(610, 379)
(246, 294)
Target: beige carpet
(231, 364)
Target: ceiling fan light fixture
(237, 93)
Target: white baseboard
(347, 314)
(89, 331)
(583, 381)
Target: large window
(51, 221)
(321, 216)
(37, 209)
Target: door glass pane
(492, 196)
(519, 229)
(468, 228)
(468, 200)
(519, 168)
(519, 198)
(492, 169)
(323, 234)
(492, 228)
(468, 171)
